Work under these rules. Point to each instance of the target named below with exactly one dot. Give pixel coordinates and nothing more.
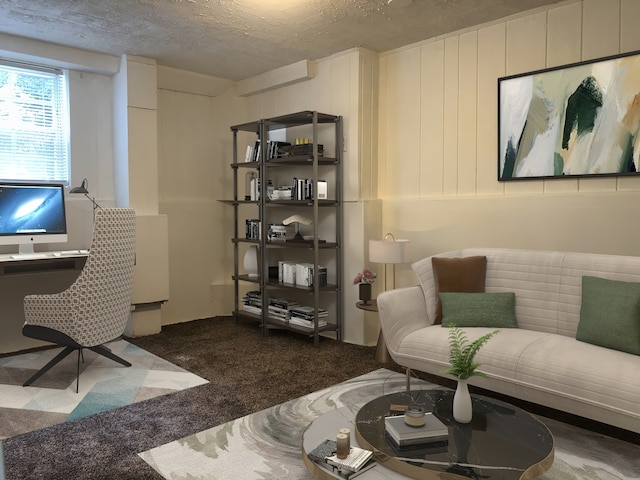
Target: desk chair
(95, 309)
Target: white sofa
(540, 361)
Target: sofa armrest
(401, 312)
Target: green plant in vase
(462, 355)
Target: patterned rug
(266, 444)
(104, 385)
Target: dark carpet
(247, 373)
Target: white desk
(59, 260)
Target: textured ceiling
(236, 39)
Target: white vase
(251, 261)
(462, 409)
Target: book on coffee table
(403, 435)
(357, 462)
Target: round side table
(382, 354)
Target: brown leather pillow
(465, 275)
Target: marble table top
(502, 441)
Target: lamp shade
(82, 188)
(389, 251)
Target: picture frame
(577, 120)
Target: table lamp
(389, 250)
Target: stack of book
(304, 316)
(402, 435)
(280, 308)
(280, 233)
(301, 149)
(252, 302)
(357, 462)
(281, 193)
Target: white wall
(92, 158)
(438, 139)
(194, 157)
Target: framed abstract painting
(572, 121)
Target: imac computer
(31, 213)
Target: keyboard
(40, 255)
(28, 256)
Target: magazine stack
(303, 316)
(280, 308)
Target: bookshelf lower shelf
(274, 323)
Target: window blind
(34, 124)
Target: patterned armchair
(95, 309)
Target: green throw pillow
(610, 314)
(479, 309)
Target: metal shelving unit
(327, 211)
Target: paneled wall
(438, 138)
(195, 153)
(344, 84)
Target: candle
(343, 445)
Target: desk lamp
(83, 189)
(389, 250)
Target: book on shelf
(304, 323)
(304, 275)
(281, 193)
(255, 154)
(252, 229)
(249, 155)
(252, 302)
(280, 233)
(252, 309)
(283, 303)
(274, 148)
(304, 189)
(304, 311)
(404, 435)
(301, 149)
(287, 271)
(280, 308)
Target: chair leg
(105, 352)
(48, 366)
(80, 355)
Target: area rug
(266, 444)
(104, 385)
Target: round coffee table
(501, 442)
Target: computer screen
(32, 213)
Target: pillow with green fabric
(496, 310)
(610, 314)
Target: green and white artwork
(578, 120)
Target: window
(34, 124)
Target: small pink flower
(366, 276)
